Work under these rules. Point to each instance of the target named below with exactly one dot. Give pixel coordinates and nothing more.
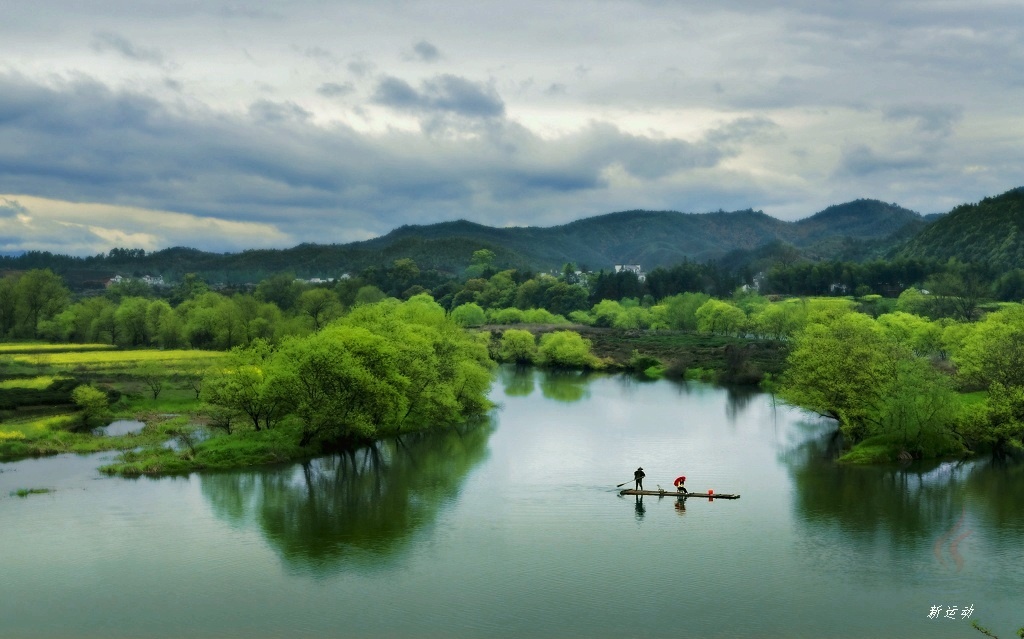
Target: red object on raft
(679, 480)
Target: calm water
(513, 528)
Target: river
(513, 527)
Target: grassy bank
(186, 452)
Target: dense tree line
(37, 305)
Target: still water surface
(513, 528)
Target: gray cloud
(336, 89)
(267, 111)
(444, 93)
(360, 67)
(11, 208)
(426, 51)
(90, 143)
(109, 41)
(862, 161)
(297, 115)
(932, 119)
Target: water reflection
(912, 503)
(995, 487)
(738, 399)
(353, 509)
(640, 509)
(121, 427)
(517, 380)
(565, 386)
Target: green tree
(368, 295)
(41, 295)
(385, 368)
(914, 301)
(499, 292)
(191, 286)
(8, 305)
(480, 262)
(91, 402)
(777, 320)
(153, 376)
(837, 368)
(281, 290)
(993, 352)
(518, 346)
(682, 310)
(720, 318)
(606, 312)
(958, 290)
(320, 305)
(566, 349)
(251, 383)
(157, 314)
(469, 315)
(131, 316)
(345, 382)
(911, 331)
(1000, 425)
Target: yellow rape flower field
(98, 360)
(38, 415)
(32, 347)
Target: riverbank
(680, 353)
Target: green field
(39, 417)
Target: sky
(226, 125)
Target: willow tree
(385, 368)
(249, 384)
(837, 368)
(866, 376)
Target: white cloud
(84, 228)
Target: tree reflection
(912, 503)
(517, 380)
(996, 486)
(564, 386)
(925, 508)
(357, 508)
(738, 398)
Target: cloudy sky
(231, 125)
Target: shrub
(92, 402)
(566, 349)
(518, 346)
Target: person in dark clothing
(638, 477)
(680, 484)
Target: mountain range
(862, 229)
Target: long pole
(624, 483)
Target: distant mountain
(861, 219)
(663, 238)
(855, 230)
(990, 232)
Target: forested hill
(990, 232)
(647, 238)
(662, 238)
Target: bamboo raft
(672, 493)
